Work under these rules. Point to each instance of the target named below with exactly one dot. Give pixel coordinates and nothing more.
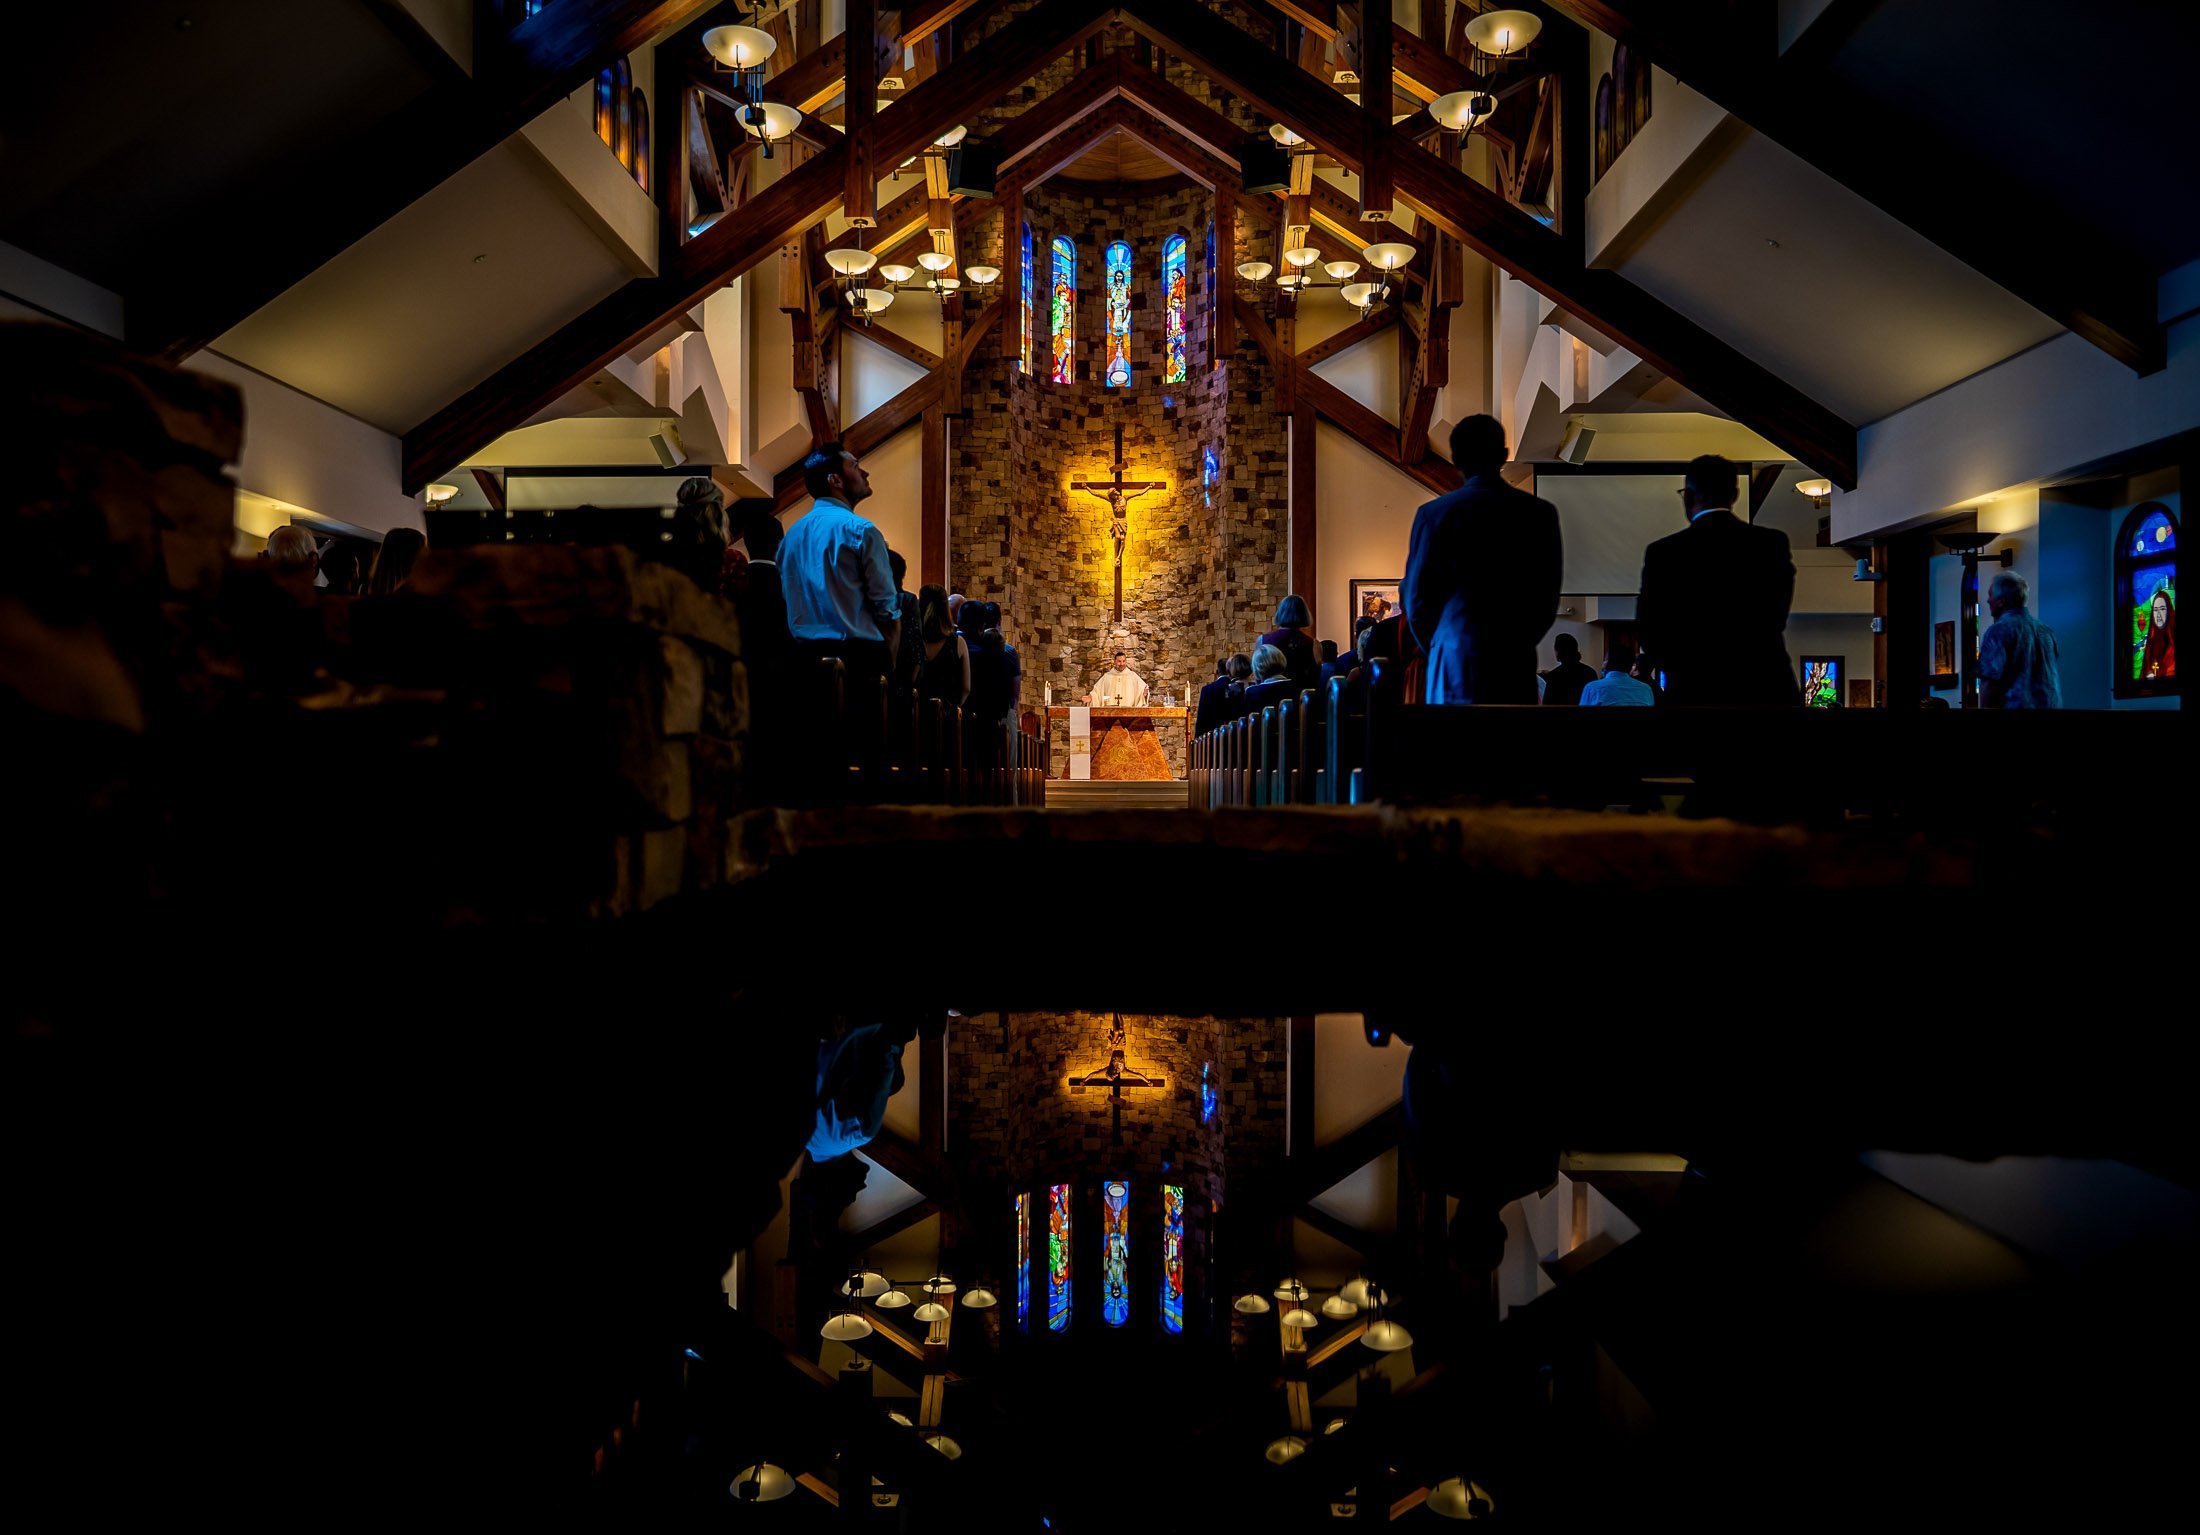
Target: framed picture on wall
(1944, 648)
(1860, 693)
(1822, 681)
(1377, 599)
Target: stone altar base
(1130, 751)
(1128, 744)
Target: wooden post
(1012, 275)
(1303, 576)
(861, 72)
(1223, 312)
(1376, 189)
(932, 551)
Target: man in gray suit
(1482, 577)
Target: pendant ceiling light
(1341, 271)
(739, 47)
(864, 1285)
(1386, 1337)
(851, 260)
(944, 1445)
(897, 272)
(1501, 34)
(1289, 1447)
(774, 122)
(1284, 136)
(1362, 1293)
(1253, 1305)
(980, 1299)
(1463, 111)
(761, 1483)
(983, 276)
(1288, 1289)
(1338, 1309)
(1256, 271)
(1458, 1498)
(892, 1300)
(845, 1328)
(939, 1284)
(1300, 1317)
(931, 1311)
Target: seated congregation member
(700, 535)
(393, 565)
(944, 672)
(1214, 700)
(1012, 665)
(1616, 686)
(908, 654)
(833, 570)
(1347, 662)
(1391, 640)
(1272, 679)
(2018, 659)
(1714, 604)
(1294, 636)
(1563, 683)
(339, 570)
(1482, 577)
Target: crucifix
(1118, 493)
(1114, 1077)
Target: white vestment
(1124, 688)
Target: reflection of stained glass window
(1172, 284)
(1821, 682)
(1115, 1302)
(1209, 472)
(1058, 1257)
(1023, 1260)
(1172, 1257)
(1119, 315)
(1026, 269)
(2146, 585)
(1207, 1102)
(1063, 313)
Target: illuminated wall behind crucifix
(1205, 560)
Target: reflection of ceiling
(1118, 157)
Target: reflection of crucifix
(1118, 493)
(1115, 1076)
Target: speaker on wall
(1264, 165)
(972, 169)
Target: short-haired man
(834, 573)
(294, 560)
(2018, 659)
(1618, 686)
(1120, 685)
(1563, 683)
(1214, 700)
(1714, 603)
(1482, 576)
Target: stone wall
(1205, 564)
(1018, 1123)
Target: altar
(1127, 743)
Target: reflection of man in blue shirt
(833, 570)
(858, 1069)
(2018, 658)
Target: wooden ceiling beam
(1351, 336)
(541, 376)
(1958, 201)
(1484, 221)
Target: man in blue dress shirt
(834, 574)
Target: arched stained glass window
(1115, 1299)
(1172, 1257)
(1058, 1255)
(1119, 315)
(622, 113)
(640, 166)
(1023, 1261)
(606, 113)
(2146, 585)
(1062, 313)
(1025, 269)
(1172, 286)
(1209, 472)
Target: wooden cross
(1114, 1077)
(1119, 493)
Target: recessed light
(1772, 243)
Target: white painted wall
(1353, 1080)
(1368, 372)
(870, 375)
(312, 456)
(897, 495)
(1365, 521)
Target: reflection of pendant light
(1289, 1447)
(1252, 1305)
(1288, 1289)
(1362, 1293)
(845, 1328)
(1458, 1498)
(892, 1300)
(944, 1445)
(761, 1483)
(980, 1299)
(1385, 1336)
(864, 1285)
(939, 1284)
(1337, 1308)
(931, 1311)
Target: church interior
(513, 1011)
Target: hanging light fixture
(845, 1327)
(1284, 136)
(897, 273)
(1383, 1335)
(1255, 271)
(1362, 1292)
(980, 1299)
(761, 1483)
(1458, 1498)
(1301, 257)
(1819, 491)
(864, 1285)
(939, 1284)
(1288, 1289)
(892, 1300)
(982, 276)
(944, 1445)
(931, 1311)
(1463, 111)
(1338, 1309)
(1341, 271)
(740, 48)
(866, 302)
(1502, 34)
(1289, 1447)
(774, 122)
(1252, 1305)
(439, 495)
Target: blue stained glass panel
(1023, 1261)
(1115, 1300)
(1172, 1257)
(2156, 535)
(1058, 1257)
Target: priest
(1119, 685)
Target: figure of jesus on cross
(1119, 493)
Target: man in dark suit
(1482, 577)
(1563, 683)
(1714, 603)
(1214, 700)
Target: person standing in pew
(1482, 577)
(833, 569)
(2018, 660)
(1563, 683)
(1616, 686)
(1714, 603)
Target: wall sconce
(1819, 491)
(438, 494)
(774, 122)
(1503, 34)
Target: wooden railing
(853, 744)
(1362, 745)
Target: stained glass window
(1058, 1257)
(1119, 315)
(1210, 471)
(1026, 271)
(2146, 585)
(605, 115)
(1023, 1261)
(1207, 1100)
(1172, 1257)
(1115, 1301)
(1172, 284)
(1063, 312)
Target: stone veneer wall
(1015, 1124)
(1203, 569)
